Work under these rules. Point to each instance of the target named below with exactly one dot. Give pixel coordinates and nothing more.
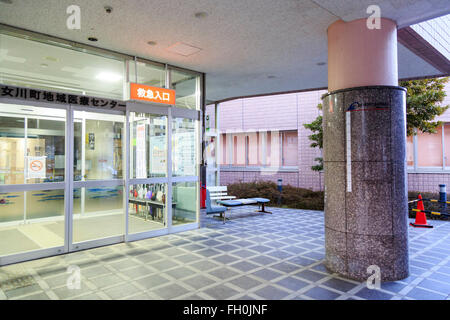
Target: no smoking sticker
(36, 167)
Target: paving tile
(422, 294)
(225, 259)
(223, 273)
(204, 265)
(310, 275)
(263, 260)
(121, 291)
(22, 291)
(285, 267)
(373, 294)
(267, 274)
(221, 292)
(292, 283)
(152, 281)
(244, 266)
(319, 293)
(163, 265)
(199, 281)
(271, 293)
(245, 282)
(339, 284)
(179, 273)
(106, 281)
(171, 291)
(440, 287)
(137, 272)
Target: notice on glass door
(141, 166)
(36, 167)
(158, 154)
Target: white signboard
(158, 154)
(141, 156)
(185, 155)
(36, 167)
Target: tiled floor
(277, 256)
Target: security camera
(108, 9)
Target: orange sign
(36, 165)
(151, 94)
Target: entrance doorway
(73, 178)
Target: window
(429, 149)
(290, 148)
(32, 144)
(239, 150)
(184, 137)
(44, 66)
(255, 149)
(429, 152)
(187, 89)
(410, 151)
(447, 145)
(148, 140)
(148, 74)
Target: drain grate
(11, 281)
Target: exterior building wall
(289, 112)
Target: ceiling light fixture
(93, 39)
(201, 14)
(108, 76)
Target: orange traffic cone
(421, 218)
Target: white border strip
(348, 139)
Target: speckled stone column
(365, 182)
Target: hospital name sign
(60, 98)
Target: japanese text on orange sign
(151, 94)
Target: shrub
(299, 198)
(292, 197)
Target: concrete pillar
(365, 153)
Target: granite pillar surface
(365, 182)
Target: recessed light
(321, 63)
(108, 76)
(93, 39)
(201, 14)
(151, 43)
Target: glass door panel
(98, 197)
(147, 209)
(148, 142)
(184, 147)
(147, 197)
(32, 166)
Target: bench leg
(263, 209)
